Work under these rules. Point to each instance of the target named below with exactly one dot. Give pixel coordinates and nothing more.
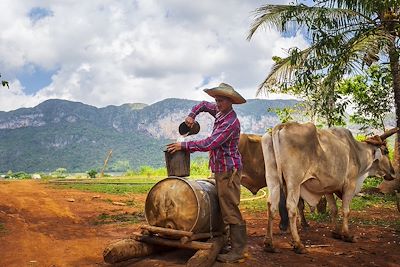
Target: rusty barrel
(182, 204)
(178, 163)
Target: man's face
(224, 104)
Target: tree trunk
(389, 187)
(126, 249)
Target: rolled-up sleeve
(203, 106)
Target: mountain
(72, 135)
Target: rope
(254, 198)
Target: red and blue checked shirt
(223, 142)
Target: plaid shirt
(223, 142)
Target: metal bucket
(182, 204)
(178, 163)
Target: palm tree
(345, 36)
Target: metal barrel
(182, 204)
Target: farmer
(225, 161)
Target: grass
(120, 185)
(117, 185)
(372, 182)
(116, 189)
(366, 201)
(360, 203)
(132, 218)
(317, 217)
(2, 228)
(256, 205)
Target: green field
(254, 204)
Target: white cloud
(15, 97)
(114, 52)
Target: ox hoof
(336, 235)
(283, 228)
(271, 249)
(300, 249)
(349, 238)
(284, 232)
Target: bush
(60, 173)
(372, 182)
(92, 173)
(22, 175)
(9, 174)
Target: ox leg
(291, 202)
(283, 213)
(301, 207)
(321, 206)
(346, 212)
(272, 206)
(333, 213)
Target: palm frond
(364, 48)
(358, 49)
(366, 7)
(283, 70)
(285, 18)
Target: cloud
(114, 52)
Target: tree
(92, 173)
(345, 36)
(320, 103)
(121, 165)
(371, 96)
(284, 114)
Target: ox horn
(389, 133)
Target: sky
(111, 52)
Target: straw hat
(227, 91)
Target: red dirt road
(39, 226)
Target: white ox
(309, 162)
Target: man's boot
(238, 236)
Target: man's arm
(218, 138)
(203, 106)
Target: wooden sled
(154, 239)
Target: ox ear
(378, 154)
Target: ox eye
(385, 151)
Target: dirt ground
(44, 226)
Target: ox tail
(278, 158)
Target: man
(225, 161)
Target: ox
(253, 175)
(309, 162)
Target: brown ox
(253, 174)
(311, 162)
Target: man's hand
(189, 121)
(172, 148)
